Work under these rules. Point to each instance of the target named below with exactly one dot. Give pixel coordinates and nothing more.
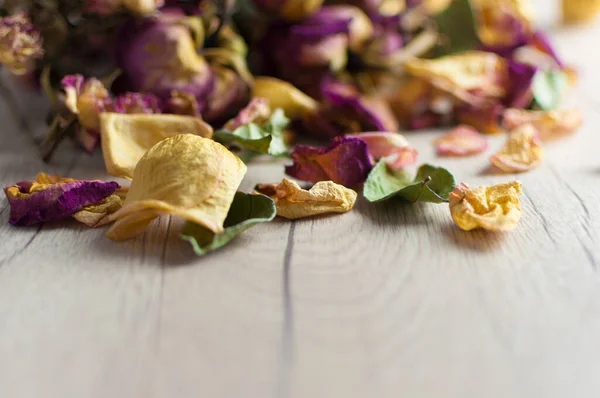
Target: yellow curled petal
(126, 138)
(296, 10)
(496, 20)
(521, 152)
(495, 208)
(285, 96)
(460, 74)
(186, 176)
(324, 197)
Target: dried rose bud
(291, 10)
(159, 55)
(20, 44)
(136, 103)
(303, 53)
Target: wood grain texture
(388, 300)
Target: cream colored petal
(521, 152)
(285, 96)
(126, 138)
(495, 208)
(462, 73)
(550, 124)
(324, 197)
(186, 176)
(97, 215)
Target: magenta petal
(54, 201)
(345, 161)
(347, 102)
(519, 93)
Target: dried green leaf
(456, 24)
(549, 89)
(246, 211)
(266, 139)
(432, 184)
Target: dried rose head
(20, 44)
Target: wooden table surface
(388, 300)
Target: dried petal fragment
(392, 147)
(461, 141)
(126, 138)
(257, 111)
(97, 214)
(495, 208)
(345, 161)
(186, 176)
(503, 22)
(580, 10)
(285, 96)
(521, 152)
(464, 74)
(51, 198)
(550, 124)
(294, 202)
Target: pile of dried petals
(179, 95)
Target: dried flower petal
(392, 147)
(550, 124)
(285, 96)
(186, 176)
(461, 141)
(97, 215)
(484, 118)
(464, 74)
(51, 198)
(495, 208)
(503, 22)
(521, 152)
(257, 111)
(580, 10)
(294, 202)
(20, 44)
(345, 161)
(126, 138)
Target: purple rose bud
(345, 161)
(20, 44)
(304, 52)
(158, 55)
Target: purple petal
(520, 80)
(50, 202)
(345, 161)
(137, 103)
(542, 43)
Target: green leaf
(548, 89)
(246, 211)
(432, 184)
(457, 25)
(265, 139)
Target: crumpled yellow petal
(186, 176)
(521, 152)
(580, 10)
(550, 124)
(97, 215)
(324, 197)
(464, 73)
(495, 208)
(285, 96)
(496, 19)
(126, 138)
